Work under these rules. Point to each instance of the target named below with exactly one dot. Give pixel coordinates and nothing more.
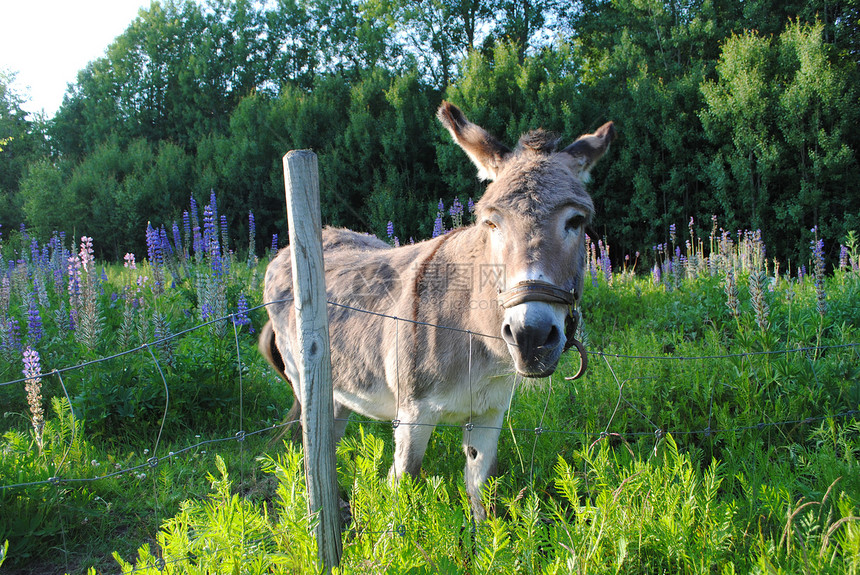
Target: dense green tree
(21, 142)
(782, 117)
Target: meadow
(716, 431)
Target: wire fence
(64, 477)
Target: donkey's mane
(540, 141)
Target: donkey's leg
(481, 444)
(341, 418)
(410, 442)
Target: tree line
(746, 110)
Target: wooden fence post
(314, 360)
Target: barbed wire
(156, 460)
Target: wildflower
(241, 318)
(438, 227)
(129, 261)
(605, 263)
(225, 236)
(13, 334)
(163, 338)
(456, 212)
(731, 288)
(86, 254)
(252, 234)
(34, 321)
(274, 243)
(210, 238)
(757, 279)
(186, 228)
(818, 273)
(74, 267)
(592, 261)
(155, 250)
(177, 237)
(390, 229)
(471, 206)
(33, 387)
(193, 205)
(843, 257)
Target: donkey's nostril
(508, 334)
(553, 338)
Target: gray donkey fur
(530, 226)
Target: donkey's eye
(489, 224)
(574, 222)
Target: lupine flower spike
(33, 387)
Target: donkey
(505, 289)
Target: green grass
(735, 463)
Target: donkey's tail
(269, 350)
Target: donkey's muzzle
(534, 338)
(538, 340)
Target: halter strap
(535, 290)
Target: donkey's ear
(588, 148)
(484, 150)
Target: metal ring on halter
(583, 360)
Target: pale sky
(48, 41)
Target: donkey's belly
(380, 405)
(465, 402)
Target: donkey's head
(534, 214)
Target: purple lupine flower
(186, 228)
(672, 233)
(209, 234)
(818, 271)
(34, 251)
(274, 243)
(225, 236)
(843, 257)
(153, 244)
(440, 207)
(13, 333)
(438, 228)
(210, 238)
(197, 243)
(471, 206)
(592, 260)
(166, 248)
(605, 263)
(252, 234)
(193, 208)
(390, 229)
(34, 321)
(241, 317)
(177, 237)
(74, 268)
